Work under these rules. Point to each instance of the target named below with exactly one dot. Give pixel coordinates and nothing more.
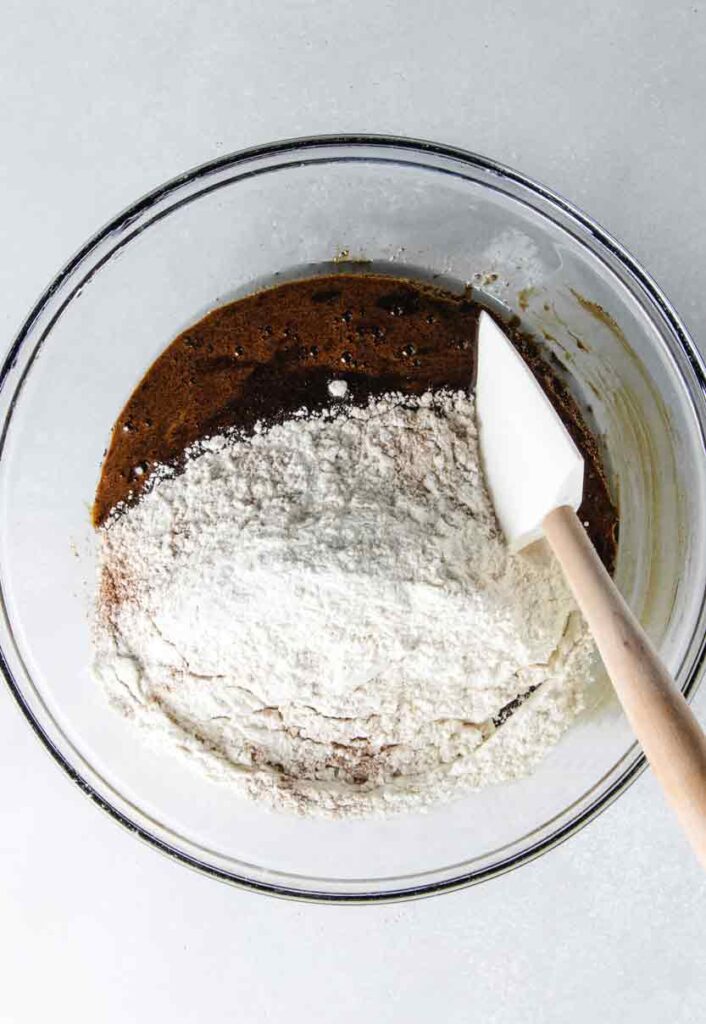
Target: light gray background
(605, 102)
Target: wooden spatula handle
(671, 737)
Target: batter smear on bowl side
(303, 586)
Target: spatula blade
(530, 461)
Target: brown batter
(265, 356)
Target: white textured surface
(298, 607)
(101, 101)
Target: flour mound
(325, 615)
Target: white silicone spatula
(534, 473)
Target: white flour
(326, 617)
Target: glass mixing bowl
(294, 208)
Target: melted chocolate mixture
(265, 356)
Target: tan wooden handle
(665, 725)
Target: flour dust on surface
(324, 615)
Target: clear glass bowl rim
(62, 282)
